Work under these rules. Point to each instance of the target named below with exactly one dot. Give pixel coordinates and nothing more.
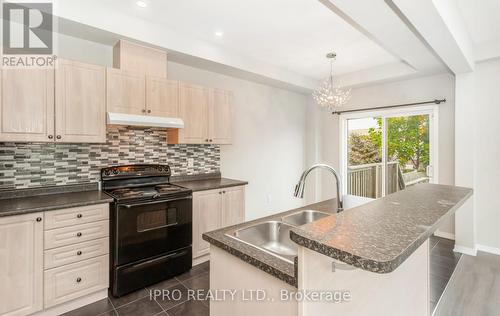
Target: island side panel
(404, 291)
(230, 273)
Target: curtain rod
(390, 106)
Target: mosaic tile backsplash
(40, 164)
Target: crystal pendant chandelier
(328, 95)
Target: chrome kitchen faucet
(299, 188)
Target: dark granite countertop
(209, 184)
(377, 236)
(380, 235)
(273, 265)
(18, 202)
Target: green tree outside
(407, 140)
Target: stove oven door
(148, 229)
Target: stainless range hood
(144, 120)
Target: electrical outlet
(190, 162)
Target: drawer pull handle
(78, 253)
(79, 234)
(38, 219)
(78, 280)
(79, 216)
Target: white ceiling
(482, 19)
(292, 34)
(279, 42)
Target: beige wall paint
(405, 91)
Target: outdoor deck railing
(366, 180)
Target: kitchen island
(371, 259)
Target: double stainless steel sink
(274, 236)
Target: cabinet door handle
(211, 140)
(78, 280)
(224, 192)
(38, 219)
(149, 111)
(143, 110)
(79, 216)
(78, 253)
(220, 192)
(206, 140)
(58, 137)
(50, 136)
(79, 234)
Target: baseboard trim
(199, 260)
(488, 249)
(74, 304)
(444, 235)
(466, 250)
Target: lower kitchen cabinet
(51, 258)
(214, 209)
(233, 210)
(75, 280)
(21, 264)
(207, 216)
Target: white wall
(405, 91)
(465, 140)
(268, 139)
(86, 51)
(487, 151)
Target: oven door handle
(157, 202)
(158, 227)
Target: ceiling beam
(441, 25)
(378, 22)
(487, 51)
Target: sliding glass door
(364, 157)
(386, 153)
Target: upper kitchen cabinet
(80, 102)
(207, 115)
(220, 116)
(27, 105)
(193, 109)
(140, 59)
(125, 92)
(162, 97)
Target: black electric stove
(151, 226)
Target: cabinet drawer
(74, 234)
(74, 253)
(75, 280)
(76, 215)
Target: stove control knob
(160, 169)
(106, 172)
(115, 171)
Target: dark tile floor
(139, 303)
(443, 262)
